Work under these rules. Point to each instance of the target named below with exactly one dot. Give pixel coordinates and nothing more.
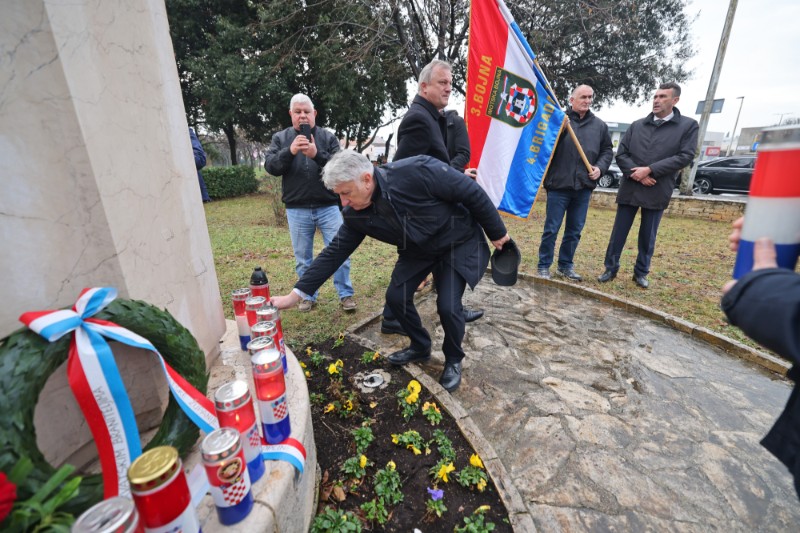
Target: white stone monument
(98, 186)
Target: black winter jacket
(443, 215)
(566, 170)
(302, 177)
(665, 149)
(765, 304)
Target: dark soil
(335, 444)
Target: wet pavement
(592, 417)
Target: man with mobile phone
(297, 154)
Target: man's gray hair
(345, 166)
(300, 98)
(427, 71)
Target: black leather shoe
(392, 327)
(471, 315)
(409, 355)
(451, 376)
(641, 281)
(570, 273)
(607, 276)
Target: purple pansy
(436, 494)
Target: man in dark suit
(436, 216)
(650, 155)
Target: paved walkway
(594, 418)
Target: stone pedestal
(98, 181)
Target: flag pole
(578, 146)
(569, 125)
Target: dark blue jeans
(574, 204)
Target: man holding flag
(569, 185)
(513, 117)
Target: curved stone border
(737, 349)
(518, 514)
(283, 502)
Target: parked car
(724, 174)
(610, 178)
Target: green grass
(690, 265)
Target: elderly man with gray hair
(436, 216)
(297, 154)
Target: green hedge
(229, 182)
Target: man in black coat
(436, 216)
(650, 155)
(569, 185)
(423, 130)
(765, 304)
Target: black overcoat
(423, 131)
(666, 149)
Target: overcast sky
(761, 64)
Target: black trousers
(648, 229)
(450, 286)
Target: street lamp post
(733, 135)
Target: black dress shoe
(392, 327)
(606, 276)
(570, 273)
(409, 355)
(471, 315)
(451, 376)
(641, 281)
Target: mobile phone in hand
(305, 129)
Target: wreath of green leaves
(27, 361)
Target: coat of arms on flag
(512, 99)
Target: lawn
(691, 263)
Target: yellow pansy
(414, 449)
(414, 386)
(390, 465)
(412, 398)
(341, 336)
(395, 438)
(348, 405)
(308, 374)
(475, 461)
(330, 407)
(444, 470)
(308, 350)
(339, 363)
(376, 356)
(333, 369)
(481, 484)
(363, 461)
(302, 364)
(373, 405)
(482, 509)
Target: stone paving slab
(604, 419)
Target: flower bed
(391, 459)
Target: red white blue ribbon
(96, 383)
(290, 450)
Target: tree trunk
(231, 135)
